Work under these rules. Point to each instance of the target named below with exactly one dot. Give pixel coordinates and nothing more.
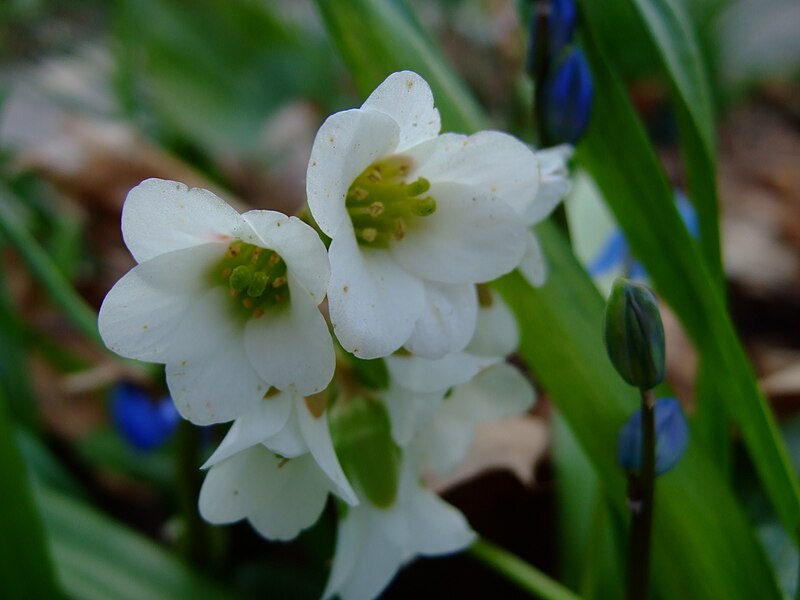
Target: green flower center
(255, 278)
(382, 205)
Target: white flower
(416, 218)
(497, 392)
(275, 468)
(373, 543)
(554, 185)
(417, 385)
(227, 302)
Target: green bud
(634, 334)
(362, 437)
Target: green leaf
(26, 569)
(97, 558)
(636, 189)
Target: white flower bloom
(373, 543)
(497, 392)
(227, 302)
(417, 385)
(416, 218)
(554, 185)
(275, 468)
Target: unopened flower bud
(634, 334)
(567, 97)
(362, 437)
(672, 438)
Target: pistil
(382, 205)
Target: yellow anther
(248, 303)
(368, 234)
(399, 230)
(360, 193)
(278, 282)
(376, 209)
(274, 259)
(374, 174)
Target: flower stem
(517, 570)
(197, 542)
(640, 499)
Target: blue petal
(672, 437)
(611, 255)
(567, 99)
(561, 25)
(143, 422)
(688, 213)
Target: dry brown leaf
(515, 444)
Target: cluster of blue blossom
(416, 222)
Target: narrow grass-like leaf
(97, 558)
(44, 270)
(26, 570)
(636, 189)
(359, 29)
(562, 326)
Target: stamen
(368, 234)
(360, 193)
(273, 260)
(399, 229)
(278, 282)
(376, 209)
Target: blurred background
(96, 96)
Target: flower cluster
(417, 222)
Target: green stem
(517, 570)
(196, 540)
(640, 497)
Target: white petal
(279, 497)
(533, 266)
(144, 308)
(299, 497)
(208, 373)
(267, 418)
(373, 302)
(377, 561)
(346, 144)
(424, 376)
(161, 216)
(435, 527)
(497, 332)
(289, 441)
(299, 246)
(448, 321)
(491, 162)
(407, 98)
(469, 239)
(495, 393)
(291, 347)
(318, 437)
(349, 541)
(409, 411)
(554, 184)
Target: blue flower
(616, 252)
(567, 97)
(145, 423)
(672, 437)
